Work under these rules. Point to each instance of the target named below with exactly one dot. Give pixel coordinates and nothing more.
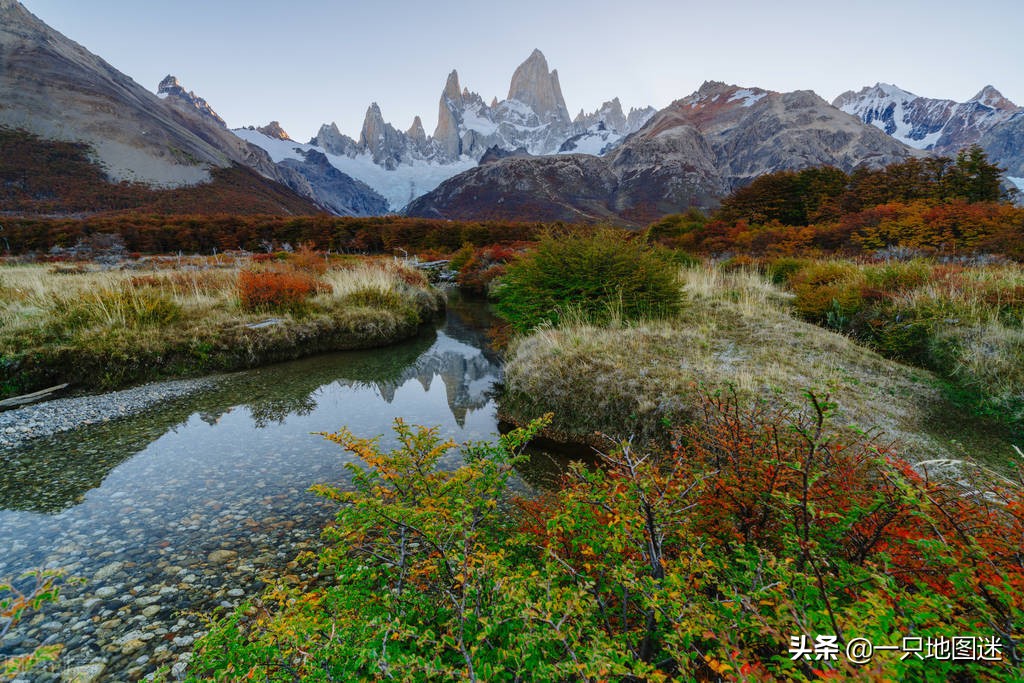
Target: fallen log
(29, 398)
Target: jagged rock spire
(416, 131)
(171, 87)
(274, 130)
(446, 135)
(534, 85)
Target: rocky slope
(338, 192)
(54, 91)
(687, 155)
(310, 176)
(1004, 144)
(55, 88)
(943, 126)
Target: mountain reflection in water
(444, 377)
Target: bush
(306, 259)
(703, 562)
(893, 277)
(828, 292)
(781, 270)
(376, 297)
(284, 288)
(478, 271)
(16, 602)
(600, 276)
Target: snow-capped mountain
(308, 174)
(603, 129)
(688, 155)
(941, 126)
(402, 165)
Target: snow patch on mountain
(1019, 182)
(924, 123)
(748, 96)
(596, 141)
(399, 186)
(406, 181)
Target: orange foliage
(279, 288)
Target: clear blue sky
(307, 62)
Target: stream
(189, 508)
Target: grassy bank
(735, 327)
(100, 329)
(966, 323)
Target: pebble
(107, 571)
(64, 414)
(221, 556)
(87, 673)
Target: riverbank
(103, 329)
(65, 414)
(736, 328)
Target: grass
(736, 328)
(102, 329)
(965, 323)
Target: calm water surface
(187, 508)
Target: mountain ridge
(533, 118)
(688, 155)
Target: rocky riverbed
(186, 509)
(144, 600)
(34, 421)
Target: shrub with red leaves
(281, 288)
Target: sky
(309, 62)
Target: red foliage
(161, 234)
(276, 288)
(487, 264)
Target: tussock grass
(963, 322)
(636, 379)
(108, 328)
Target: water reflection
(320, 393)
(146, 509)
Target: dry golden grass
(963, 322)
(186, 321)
(736, 329)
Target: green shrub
(828, 292)
(904, 334)
(893, 277)
(375, 297)
(782, 269)
(599, 276)
(701, 562)
(987, 362)
(675, 225)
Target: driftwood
(29, 398)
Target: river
(185, 510)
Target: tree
(973, 178)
